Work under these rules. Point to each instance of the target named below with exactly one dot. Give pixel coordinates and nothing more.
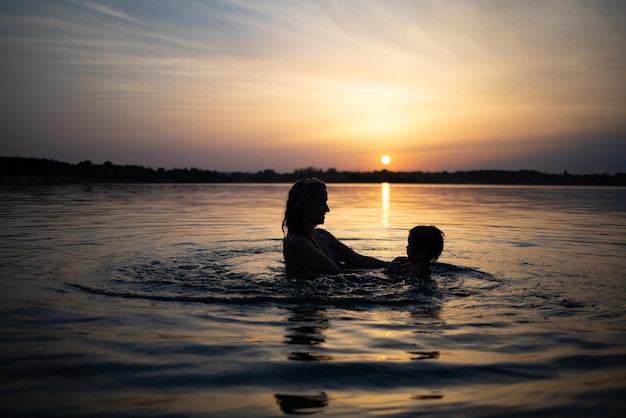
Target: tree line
(24, 171)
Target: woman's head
(425, 244)
(306, 205)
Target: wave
(256, 275)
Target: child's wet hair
(427, 239)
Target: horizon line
(312, 169)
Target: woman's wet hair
(298, 198)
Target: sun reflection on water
(385, 192)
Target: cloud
(344, 75)
(109, 11)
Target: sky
(253, 85)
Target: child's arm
(399, 266)
(419, 270)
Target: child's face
(413, 254)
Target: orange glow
(300, 86)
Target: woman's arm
(351, 257)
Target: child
(425, 247)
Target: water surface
(171, 300)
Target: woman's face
(317, 208)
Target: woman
(308, 249)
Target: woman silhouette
(308, 249)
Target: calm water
(171, 301)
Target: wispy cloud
(435, 74)
(109, 11)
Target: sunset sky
(253, 85)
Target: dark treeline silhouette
(29, 171)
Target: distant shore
(40, 171)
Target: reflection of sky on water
(306, 331)
(186, 283)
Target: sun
(385, 159)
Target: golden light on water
(385, 194)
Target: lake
(171, 300)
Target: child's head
(425, 244)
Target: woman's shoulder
(297, 243)
(294, 239)
(322, 233)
